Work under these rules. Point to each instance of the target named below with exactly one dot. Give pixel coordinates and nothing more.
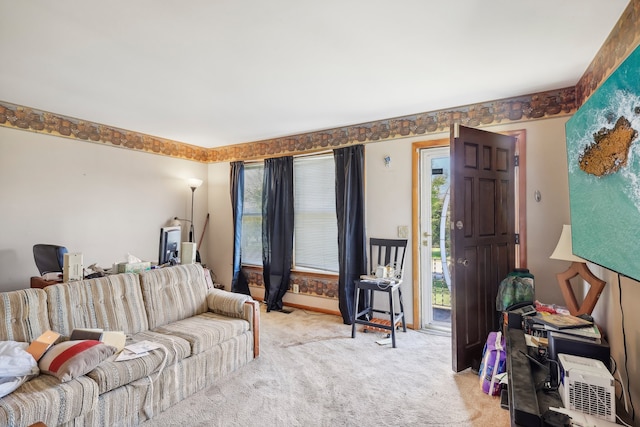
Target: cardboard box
(133, 267)
(116, 339)
(42, 344)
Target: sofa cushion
(46, 399)
(70, 359)
(24, 315)
(112, 374)
(173, 293)
(206, 330)
(112, 303)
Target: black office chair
(386, 257)
(49, 258)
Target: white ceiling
(212, 73)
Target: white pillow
(16, 366)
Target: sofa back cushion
(173, 293)
(112, 303)
(24, 315)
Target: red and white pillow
(71, 359)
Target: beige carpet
(312, 373)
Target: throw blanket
(16, 366)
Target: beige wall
(220, 237)
(100, 201)
(609, 313)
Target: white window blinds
(316, 229)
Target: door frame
(521, 211)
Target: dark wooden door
(483, 235)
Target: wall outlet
(403, 231)
(296, 288)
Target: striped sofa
(204, 335)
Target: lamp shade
(194, 183)
(564, 249)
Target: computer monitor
(169, 245)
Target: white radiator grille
(591, 399)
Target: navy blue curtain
(239, 283)
(352, 241)
(277, 229)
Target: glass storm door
(435, 242)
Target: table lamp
(564, 252)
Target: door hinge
(516, 160)
(517, 238)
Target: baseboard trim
(317, 309)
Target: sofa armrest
(240, 306)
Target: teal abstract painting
(603, 156)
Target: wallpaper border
(541, 105)
(623, 39)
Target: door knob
(464, 261)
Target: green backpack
(515, 288)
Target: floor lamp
(193, 184)
(564, 252)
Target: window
(252, 215)
(316, 225)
